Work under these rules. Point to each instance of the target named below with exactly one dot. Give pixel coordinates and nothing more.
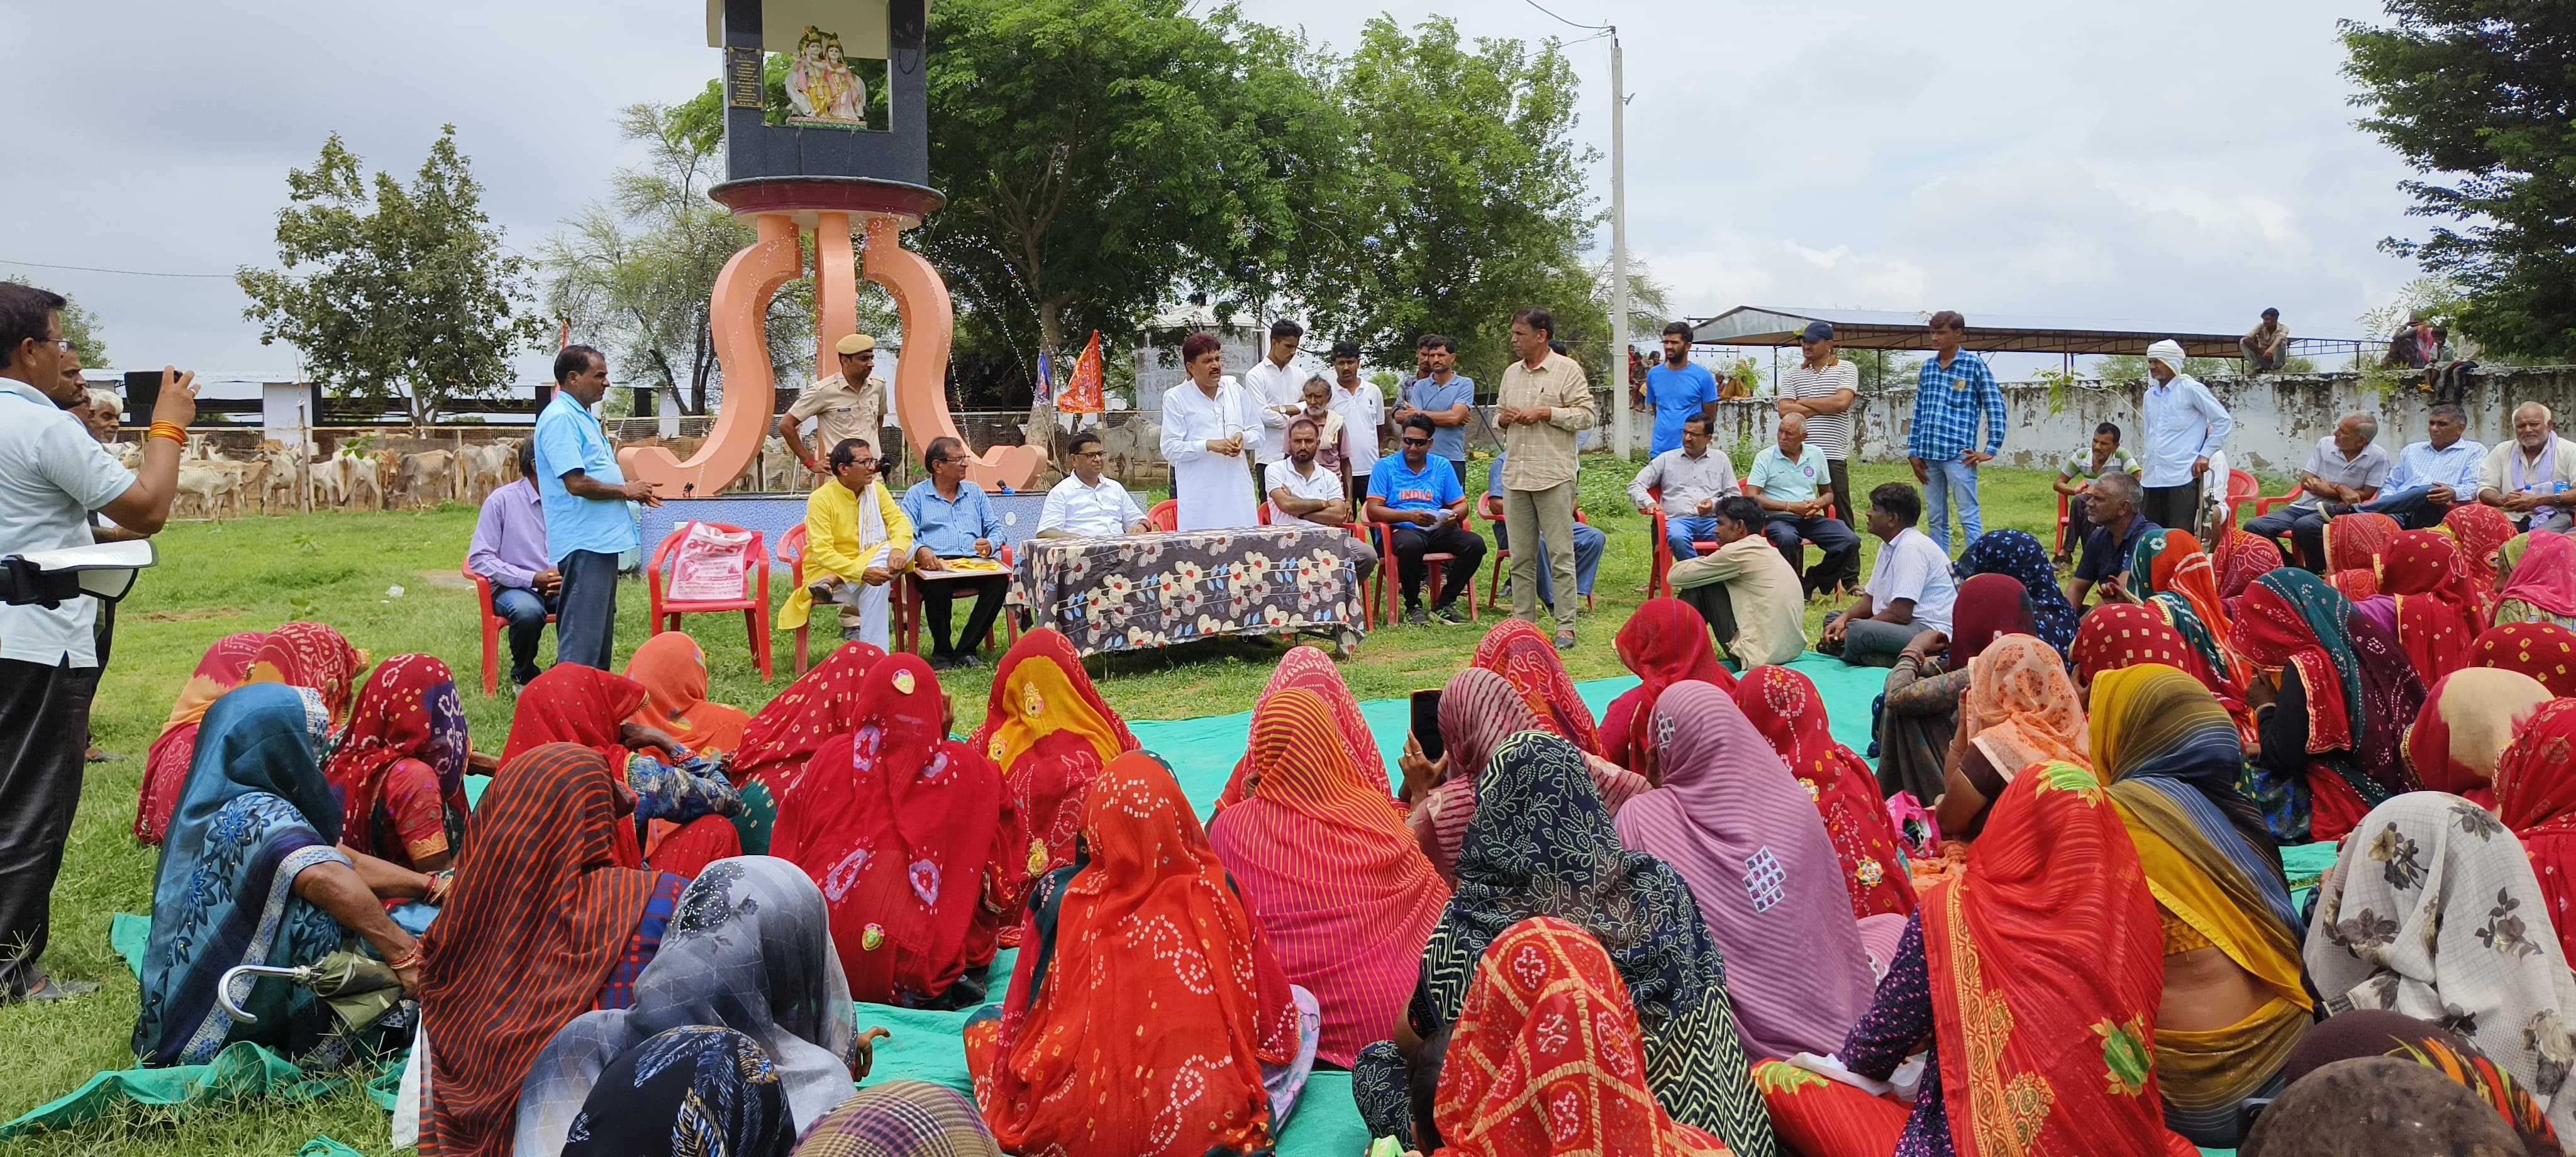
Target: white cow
(496, 460)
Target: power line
(126, 272)
(1566, 22)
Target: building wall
(2278, 418)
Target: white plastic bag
(710, 563)
(412, 1103)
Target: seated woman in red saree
(1478, 711)
(165, 767)
(782, 737)
(1050, 732)
(1517, 1084)
(1786, 709)
(2535, 793)
(2241, 557)
(2358, 544)
(549, 919)
(2036, 974)
(2544, 651)
(1343, 893)
(2334, 728)
(1664, 642)
(1314, 671)
(674, 674)
(399, 771)
(1526, 659)
(2437, 608)
(2537, 580)
(1143, 930)
(913, 842)
(2468, 720)
(683, 806)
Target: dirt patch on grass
(445, 579)
(198, 614)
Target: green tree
(406, 292)
(1469, 194)
(80, 327)
(634, 273)
(1095, 153)
(2132, 368)
(2475, 94)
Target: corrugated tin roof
(1756, 325)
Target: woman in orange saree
(674, 674)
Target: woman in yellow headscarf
(2233, 1006)
(1050, 732)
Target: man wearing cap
(2184, 426)
(2267, 347)
(841, 410)
(1821, 389)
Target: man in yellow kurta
(856, 540)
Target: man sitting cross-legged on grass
(1745, 589)
(1421, 503)
(1910, 590)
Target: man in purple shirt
(510, 549)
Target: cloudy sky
(2080, 161)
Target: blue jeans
(526, 610)
(1951, 481)
(1589, 545)
(586, 615)
(2409, 507)
(1838, 542)
(1683, 530)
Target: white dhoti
(865, 610)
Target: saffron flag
(1082, 394)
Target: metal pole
(1619, 436)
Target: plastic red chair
(1663, 583)
(1166, 515)
(492, 627)
(2263, 504)
(791, 550)
(1391, 586)
(665, 612)
(1492, 508)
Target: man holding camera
(53, 474)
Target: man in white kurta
(1210, 434)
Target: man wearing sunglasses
(1418, 497)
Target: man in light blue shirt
(1677, 388)
(2430, 475)
(585, 497)
(1443, 395)
(1785, 477)
(953, 520)
(2184, 426)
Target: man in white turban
(2185, 425)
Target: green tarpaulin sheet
(928, 1046)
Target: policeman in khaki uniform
(839, 409)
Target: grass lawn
(251, 575)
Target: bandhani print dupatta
(1517, 651)
(1050, 732)
(1664, 642)
(2437, 619)
(310, 655)
(2544, 651)
(409, 710)
(820, 704)
(2047, 969)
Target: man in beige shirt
(840, 410)
(1545, 400)
(1745, 589)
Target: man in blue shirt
(1443, 395)
(1677, 388)
(1955, 390)
(2429, 476)
(951, 519)
(1589, 543)
(1419, 499)
(585, 497)
(2113, 545)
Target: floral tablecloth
(1142, 591)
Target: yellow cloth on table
(975, 565)
(838, 542)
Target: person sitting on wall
(856, 538)
(1088, 503)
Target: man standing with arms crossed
(1955, 389)
(1545, 401)
(1821, 389)
(53, 475)
(585, 497)
(1443, 395)
(849, 404)
(1278, 385)
(2184, 426)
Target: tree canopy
(405, 292)
(2478, 96)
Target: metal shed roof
(1756, 325)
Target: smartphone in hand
(1426, 723)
